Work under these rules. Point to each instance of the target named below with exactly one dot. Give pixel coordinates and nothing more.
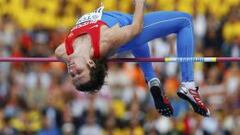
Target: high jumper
(98, 35)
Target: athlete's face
(79, 69)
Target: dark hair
(97, 76)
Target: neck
(82, 47)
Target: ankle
(154, 82)
(190, 84)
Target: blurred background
(39, 99)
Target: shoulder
(59, 49)
(60, 52)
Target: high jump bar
(121, 60)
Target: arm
(121, 35)
(137, 23)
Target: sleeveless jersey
(88, 24)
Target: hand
(138, 1)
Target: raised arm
(137, 23)
(121, 35)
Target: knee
(187, 18)
(186, 15)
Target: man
(99, 34)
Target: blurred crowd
(39, 99)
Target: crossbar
(121, 60)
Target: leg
(147, 68)
(156, 89)
(185, 48)
(159, 24)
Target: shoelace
(196, 97)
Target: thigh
(159, 24)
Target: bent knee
(187, 18)
(186, 15)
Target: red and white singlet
(88, 24)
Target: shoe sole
(162, 108)
(193, 104)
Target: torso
(107, 43)
(90, 20)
